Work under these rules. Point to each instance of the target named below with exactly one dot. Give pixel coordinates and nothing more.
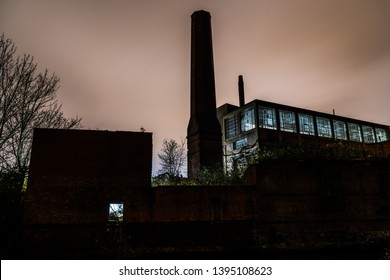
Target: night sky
(125, 64)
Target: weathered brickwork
(284, 206)
(75, 174)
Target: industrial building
(230, 134)
(89, 193)
(259, 125)
(89, 196)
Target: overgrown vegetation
(217, 175)
(337, 151)
(207, 176)
(334, 151)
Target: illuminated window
(381, 134)
(340, 130)
(354, 132)
(306, 124)
(231, 126)
(247, 119)
(324, 128)
(368, 134)
(267, 118)
(287, 121)
(115, 212)
(241, 143)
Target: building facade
(261, 125)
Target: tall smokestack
(241, 93)
(204, 136)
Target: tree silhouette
(27, 100)
(172, 158)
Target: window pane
(247, 119)
(241, 143)
(115, 212)
(287, 121)
(381, 135)
(354, 132)
(340, 130)
(306, 125)
(368, 134)
(324, 128)
(267, 118)
(231, 126)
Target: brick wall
(290, 205)
(75, 174)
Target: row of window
(325, 127)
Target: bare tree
(27, 100)
(172, 158)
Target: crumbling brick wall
(75, 174)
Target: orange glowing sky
(125, 64)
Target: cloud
(124, 64)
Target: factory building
(89, 193)
(260, 125)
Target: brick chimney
(204, 136)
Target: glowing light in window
(115, 212)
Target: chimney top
(201, 13)
(241, 93)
